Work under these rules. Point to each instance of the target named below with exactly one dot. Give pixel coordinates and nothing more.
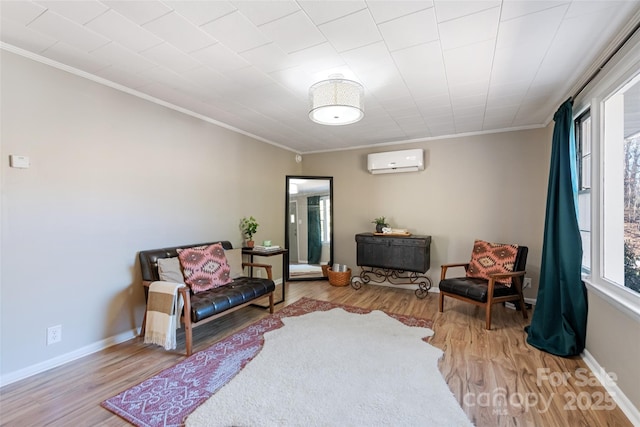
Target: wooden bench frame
(185, 317)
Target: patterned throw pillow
(492, 258)
(204, 267)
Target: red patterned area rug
(169, 397)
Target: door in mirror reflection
(309, 225)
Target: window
(632, 208)
(583, 142)
(607, 129)
(621, 188)
(325, 215)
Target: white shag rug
(334, 368)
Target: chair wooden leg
(271, 309)
(188, 335)
(186, 318)
(489, 303)
(441, 302)
(523, 307)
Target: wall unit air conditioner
(396, 161)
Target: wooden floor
(493, 374)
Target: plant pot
(250, 243)
(379, 227)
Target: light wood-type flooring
(494, 374)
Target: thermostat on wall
(18, 161)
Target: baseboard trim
(29, 371)
(612, 388)
(38, 368)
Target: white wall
(613, 339)
(110, 175)
(490, 187)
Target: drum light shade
(336, 101)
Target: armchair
(493, 285)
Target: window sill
(624, 300)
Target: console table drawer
(411, 253)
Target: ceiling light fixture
(336, 101)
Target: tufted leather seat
(218, 300)
(208, 305)
(474, 288)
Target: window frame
(622, 68)
(583, 190)
(325, 221)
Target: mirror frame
(287, 244)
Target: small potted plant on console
(380, 223)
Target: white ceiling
(429, 68)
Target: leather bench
(205, 306)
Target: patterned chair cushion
(492, 258)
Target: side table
(285, 262)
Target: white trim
(612, 388)
(623, 299)
(63, 359)
(432, 138)
(105, 82)
(611, 78)
(599, 62)
(29, 371)
(116, 86)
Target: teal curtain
(314, 240)
(559, 323)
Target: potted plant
(249, 226)
(380, 222)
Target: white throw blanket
(164, 306)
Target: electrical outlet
(527, 283)
(54, 334)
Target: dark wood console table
(397, 259)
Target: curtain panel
(559, 323)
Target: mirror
(308, 230)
